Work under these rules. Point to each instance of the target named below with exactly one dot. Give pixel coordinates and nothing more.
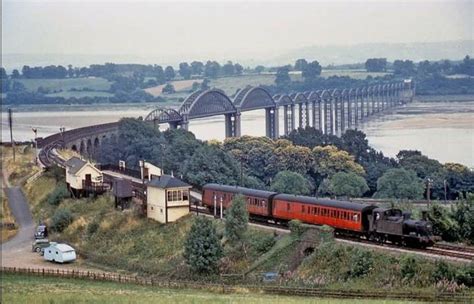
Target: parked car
(41, 231)
(59, 253)
(39, 244)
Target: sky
(198, 29)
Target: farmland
(24, 289)
(92, 83)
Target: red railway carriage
(258, 201)
(337, 214)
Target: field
(179, 86)
(92, 83)
(24, 289)
(6, 217)
(79, 94)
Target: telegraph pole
(10, 123)
(35, 130)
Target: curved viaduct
(331, 111)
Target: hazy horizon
(232, 30)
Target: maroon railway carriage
(258, 201)
(337, 214)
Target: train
(382, 225)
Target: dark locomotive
(347, 218)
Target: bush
(92, 228)
(296, 227)
(408, 267)
(443, 271)
(58, 194)
(466, 275)
(61, 219)
(264, 244)
(361, 264)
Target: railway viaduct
(331, 111)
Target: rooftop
(167, 181)
(74, 164)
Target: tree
(228, 69)
(169, 73)
(168, 89)
(286, 156)
(15, 74)
(3, 73)
(347, 184)
(238, 69)
(209, 164)
(329, 160)
(202, 248)
(259, 69)
(212, 69)
(282, 76)
(400, 183)
(185, 70)
(290, 183)
(376, 64)
(159, 74)
(236, 220)
(205, 84)
(311, 71)
(197, 67)
(466, 67)
(196, 85)
(403, 68)
(300, 64)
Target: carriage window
(288, 206)
(356, 217)
(263, 203)
(302, 208)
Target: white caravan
(60, 253)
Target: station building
(83, 178)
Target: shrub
(466, 275)
(61, 219)
(408, 267)
(443, 271)
(58, 194)
(202, 248)
(296, 227)
(236, 220)
(361, 263)
(264, 244)
(92, 228)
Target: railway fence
(459, 297)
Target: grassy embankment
(124, 241)
(25, 289)
(17, 173)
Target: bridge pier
(271, 123)
(232, 125)
(350, 105)
(300, 115)
(343, 114)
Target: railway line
(446, 251)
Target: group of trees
(309, 71)
(306, 162)
(376, 65)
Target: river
(440, 130)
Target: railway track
(48, 158)
(441, 250)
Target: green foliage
(399, 183)
(236, 220)
(376, 64)
(61, 219)
(361, 263)
(408, 267)
(443, 224)
(92, 228)
(59, 193)
(296, 228)
(282, 78)
(463, 215)
(290, 183)
(329, 160)
(209, 164)
(168, 89)
(263, 244)
(202, 248)
(443, 271)
(347, 184)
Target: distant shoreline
(146, 105)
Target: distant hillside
(340, 54)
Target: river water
(441, 130)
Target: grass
(80, 94)
(24, 289)
(6, 217)
(36, 194)
(93, 83)
(23, 166)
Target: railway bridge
(331, 111)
